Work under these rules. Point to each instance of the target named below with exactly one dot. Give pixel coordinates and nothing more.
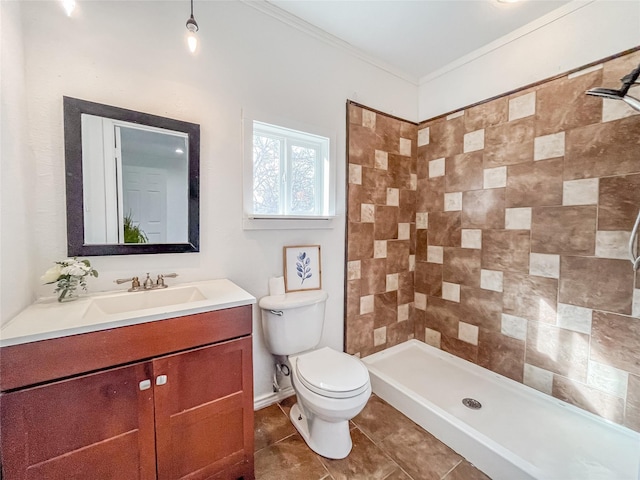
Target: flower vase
(68, 295)
(68, 275)
(67, 289)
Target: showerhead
(629, 79)
(627, 82)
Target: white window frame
(326, 184)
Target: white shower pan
(518, 433)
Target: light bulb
(69, 6)
(192, 41)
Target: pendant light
(192, 27)
(69, 6)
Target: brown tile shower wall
(524, 210)
(380, 231)
(517, 242)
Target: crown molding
(299, 24)
(530, 27)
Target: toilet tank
(292, 323)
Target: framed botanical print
(302, 269)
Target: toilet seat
(333, 374)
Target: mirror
(132, 181)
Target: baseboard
(271, 398)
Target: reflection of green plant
(133, 233)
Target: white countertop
(47, 318)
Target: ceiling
(141, 143)
(417, 37)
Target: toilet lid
(331, 373)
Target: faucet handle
(135, 283)
(124, 280)
(160, 281)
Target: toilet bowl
(331, 388)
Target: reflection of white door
(144, 192)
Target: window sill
(266, 222)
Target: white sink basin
(132, 301)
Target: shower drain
(471, 403)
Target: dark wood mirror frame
(73, 109)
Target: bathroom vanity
(133, 396)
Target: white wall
(572, 36)
(133, 55)
(17, 272)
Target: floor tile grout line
(393, 460)
(453, 468)
(317, 457)
(282, 409)
(323, 466)
(402, 470)
(277, 441)
(462, 458)
(283, 438)
(388, 454)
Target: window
(290, 174)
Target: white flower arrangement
(69, 274)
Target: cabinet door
(97, 426)
(204, 411)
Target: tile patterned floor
(386, 445)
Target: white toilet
(331, 387)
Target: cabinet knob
(161, 379)
(145, 384)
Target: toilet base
(329, 439)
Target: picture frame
(302, 268)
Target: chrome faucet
(160, 280)
(135, 283)
(148, 283)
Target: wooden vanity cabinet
(204, 423)
(94, 426)
(181, 415)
